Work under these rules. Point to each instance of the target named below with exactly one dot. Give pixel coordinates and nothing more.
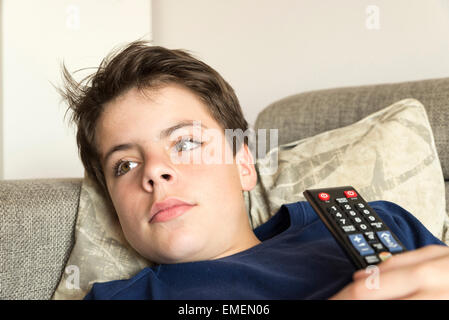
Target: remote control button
(338, 215)
(372, 259)
(350, 194)
(360, 205)
(378, 247)
(370, 218)
(349, 228)
(385, 255)
(324, 196)
(342, 200)
(387, 239)
(332, 209)
(363, 227)
(377, 225)
(359, 242)
(370, 236)
(366, 211)
(357, 220)
(352, 213)
(343, 222)
(346, 207)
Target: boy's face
(216, 222)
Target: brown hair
(141, 65)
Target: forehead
(160, 103)
(143, 114)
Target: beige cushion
(389, 155)
(100, 252)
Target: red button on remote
(324, 196)
(350, 194)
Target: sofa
(38, 216)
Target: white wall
(37, 37)
(269, 49)
(266, 49)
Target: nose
(158, 173)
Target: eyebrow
(163, 134)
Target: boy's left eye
(187, 144)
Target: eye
(187, 144)
(122, 167)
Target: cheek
(125, 204)
(216, 183)
(117, 197)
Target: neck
(249, 241)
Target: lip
(169, 209)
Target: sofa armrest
(37, 221)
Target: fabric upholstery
(388, 155)
(100, 252)
(37, 219)
(307, 114)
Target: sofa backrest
(307, 114)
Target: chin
(180, 248)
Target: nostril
(166, 176)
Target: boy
(144, 120)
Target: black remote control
(361, 233)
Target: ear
(247, 171)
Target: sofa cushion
(100, 252)
(389, 155)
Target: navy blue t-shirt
(297, 259)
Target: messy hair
(143, 66)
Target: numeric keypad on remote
(355, 225)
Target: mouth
(170, 213)
(169, 209)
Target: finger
(412, 280)
(428, 295)
(423, 254)
(390, 285)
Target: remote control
(364, 237)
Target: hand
(420, 274)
